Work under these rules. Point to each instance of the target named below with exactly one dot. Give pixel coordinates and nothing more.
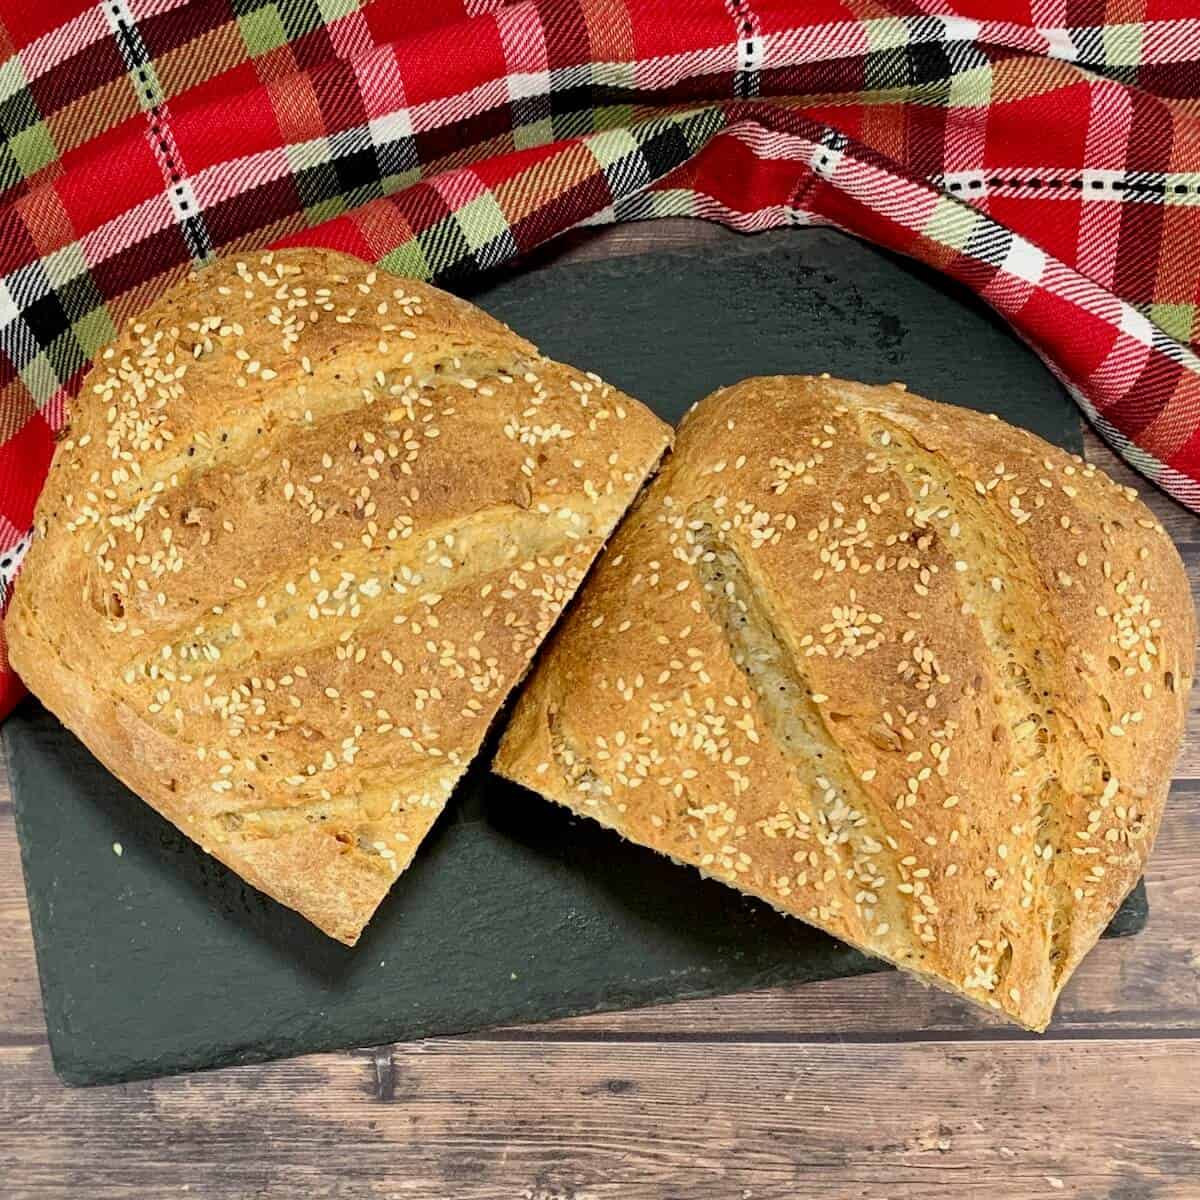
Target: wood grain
(866, 1088)
(481, 1120)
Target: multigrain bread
(899, 669)
(308, 528)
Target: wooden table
(867, 1088)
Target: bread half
(309, 526)
(900, 669)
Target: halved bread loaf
(901, 670)
(308, 528)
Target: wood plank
(21, 1016)
(1148, 982)
(552, 1121)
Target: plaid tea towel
(1046, 153)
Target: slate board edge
(79, 1071)
(65, 1065)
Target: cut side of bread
(898, 668)
(307, 529)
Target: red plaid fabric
(1045, 153)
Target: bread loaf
(308, 528)
(900, 669)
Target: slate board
(160, 960)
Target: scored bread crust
(309, 525)
(896, 667)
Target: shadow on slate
(160, 960)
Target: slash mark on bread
(846, 827)
(998, 582)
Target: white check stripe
(528, 84)
(350, 35)
(1137, 326)
(9, 309)
(391, 128)
(182, 198)
(154, 8)
(380, 83)
(15, 547)
(748, 45)
(523, 40)
(1171, 41)
(820, 43)
(1116, 186)
(64, 42)
(1060, 44)
(971, 182)
(960, 29)
(435, 113)
(1025, 261)
(160, 137)
(132, 226)
(237, 175)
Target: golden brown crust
(898, 668)
(308, 529)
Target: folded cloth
(1044, 153)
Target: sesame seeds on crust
(899, 669)
(308, 527)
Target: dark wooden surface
(870, 1088)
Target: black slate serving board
(159, 960)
